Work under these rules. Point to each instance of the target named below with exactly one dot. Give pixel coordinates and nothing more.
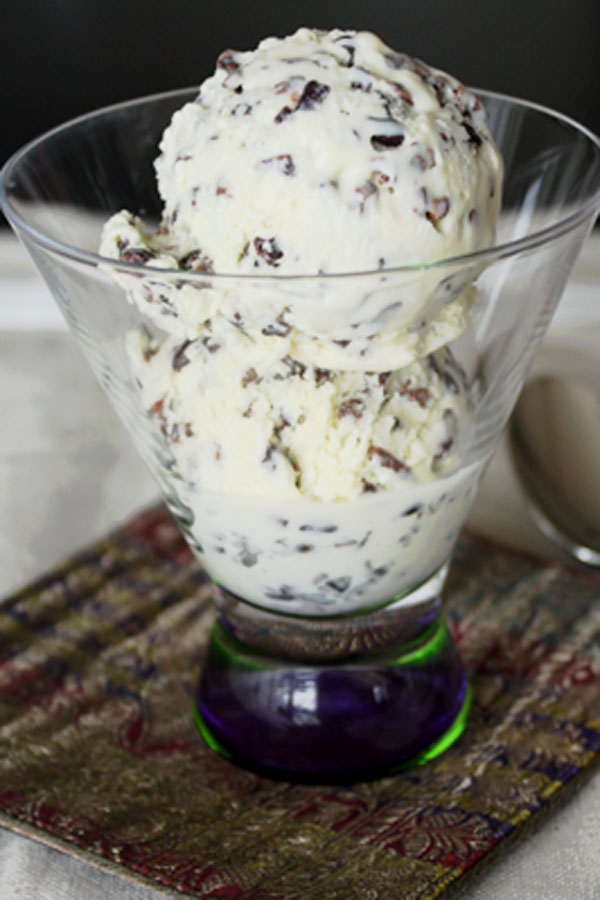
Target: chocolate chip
(137, 255)
(196, 261)
(157, 409)
(423, 161)
(413, 510)
(404, 93)
(364, 540)
(351, 51)
(474, 140)
(249, 377)
(282, 115)
(323, 529)
(362, 194)
(387, 459)
(353, 407)
(211, 347)
(179, 358)
(295, 366)
(395, 60)
(247, 558)
(313, 94)
(368, 487)
(322, 375)
(269, 250)
(279, 327)
(283, 423)
(283, 162)
(285, 592)
(227, 61)
(304, 548)
(241, 109)
(386, 141)
(443, 451)
(438, 208)
(271, 449)
(419, 395)
(149, 345)
(339, 584)
(450, 383)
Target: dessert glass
(330, 657)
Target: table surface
(69, 475)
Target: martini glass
(330, 658)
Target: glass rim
(495, 251)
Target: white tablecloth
(68, 474)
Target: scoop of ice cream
(327, 152)
(320, 153)
(241, 420)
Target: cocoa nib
(196, 261)
(269, 250)
(387, 459)
(283, 162)
(228, 62)
(313, 94)
(179, 358)
(419, 395)
(249, 377)
(279, 327)
(386, 141)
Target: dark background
(61, 58)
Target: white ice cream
(324, 398)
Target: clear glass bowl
(330, 657)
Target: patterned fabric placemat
(99, 755)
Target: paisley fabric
(99, 754)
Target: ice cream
(317, 404)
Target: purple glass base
(341, 721)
